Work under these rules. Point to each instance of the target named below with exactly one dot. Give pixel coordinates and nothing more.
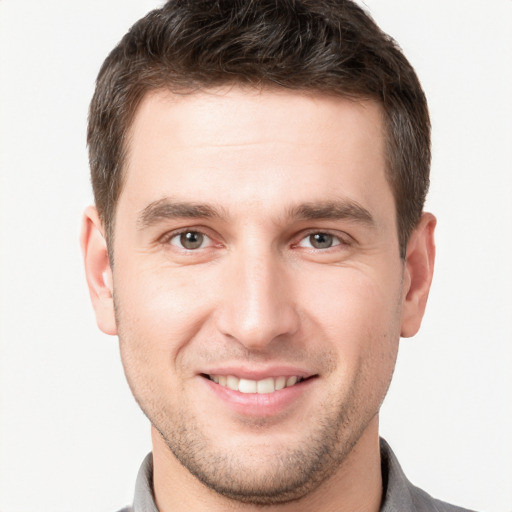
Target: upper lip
(258, 373)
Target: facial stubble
(290, 472)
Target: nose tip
(256, 329)
(258, 305)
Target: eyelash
(167, 239)
(339, 240)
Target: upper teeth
(263, 386)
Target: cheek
(155, 320)
(158, 313)
(359, 315)
(168, 299)
(351, 300)
(362, 322)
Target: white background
(71, 436)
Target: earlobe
(419, 268)
(97, 270)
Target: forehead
(241, 146)
(235, 115)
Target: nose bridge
(258, 306)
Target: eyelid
(344, 239)
(167, 237)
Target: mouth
(265, 386)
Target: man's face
(255, 246)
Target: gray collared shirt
(400, 495)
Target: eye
(190, 240)
(320, 241)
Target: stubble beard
(291, 472)
(288, 474)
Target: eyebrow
(166, 208)
(342, 209)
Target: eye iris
(191, 239)
(321, 240)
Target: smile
(262, 387)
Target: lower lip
(261, 405)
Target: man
(259, 245)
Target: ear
(97, 270)
(419, 268)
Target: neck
(356, 485)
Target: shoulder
(424, 502)
(126, 509)
(400, 495)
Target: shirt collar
(397, 495)
(397, 489)
(144, 500)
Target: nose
(257, 300)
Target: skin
(269, 169)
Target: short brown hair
(325, 46)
